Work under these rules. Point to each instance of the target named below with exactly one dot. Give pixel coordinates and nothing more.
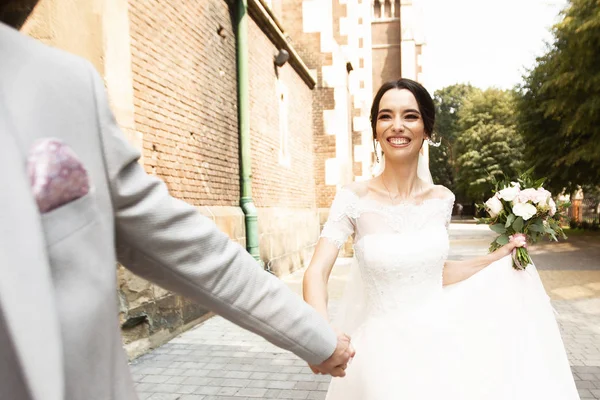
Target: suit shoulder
(27, 58)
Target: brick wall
(283, 190)
(185, 97)
(276, 184)
(183, 62)
(387, 63)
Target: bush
(573, 224)
(586, 225)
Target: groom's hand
(337, 363)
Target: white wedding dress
(491, 337)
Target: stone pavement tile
(228, 391)
(165, 388)
(154, 379)
(222, 398)
(187, 389)
(259, 375)
(164, 396)
(208, 390)
(176, 379)
(238, 374)
(145, 387)
(151, 371)
(227, 398)
(317, 395)
(294, 394)
(197, 380)
(585, 394)
(252, 392)
(272, 394)
(175, 372)
(306, 385)
(238, 383)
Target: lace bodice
(400, 249)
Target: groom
(73, 201)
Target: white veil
(423, 171)
(352, 309)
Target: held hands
(338, 362)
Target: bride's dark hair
(424, 100)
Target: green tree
(448, 102)
(559, 103)
(488, 144)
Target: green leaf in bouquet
(537, 227)
(498, 228)
(509, 220)
(539, 183)
(518, 225)
(502, 240)
(494, 246)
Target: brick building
(172, 74)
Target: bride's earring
(375, 143)
(432, 143)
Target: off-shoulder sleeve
(449, 206)
(342, 218)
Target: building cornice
(273, 29)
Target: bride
(424, 327)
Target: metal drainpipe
(246, 202)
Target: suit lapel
(26, 293)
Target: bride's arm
(317, 274)
(456, 271)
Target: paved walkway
(219, 361)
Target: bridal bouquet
(522, 208)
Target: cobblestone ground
(218, 360)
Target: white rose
(509, 193)
(552, 206)
(526, 195)
(542, 196)
(524, 210)
(494, 206)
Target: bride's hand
(515, 241)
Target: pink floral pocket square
(56, 174)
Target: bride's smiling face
(400, 128)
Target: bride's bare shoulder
(358, 188)
(441, 192)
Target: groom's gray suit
(59, 333)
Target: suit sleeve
(168, 242)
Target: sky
(488, 43)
